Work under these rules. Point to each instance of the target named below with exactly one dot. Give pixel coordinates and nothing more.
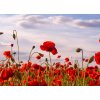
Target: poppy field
(48, 73)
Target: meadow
(47, 73)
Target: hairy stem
(50, 59)
(82, 59)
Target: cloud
(37, 21)
(31, 21)
(88, 23)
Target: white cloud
(37, 21)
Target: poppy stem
(16, 37)
(30, 55)
(82, 59)
(50, 59)
(18, 46)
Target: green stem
(31, 54)
(11, 50)
(18, 47)
(50, 59)
(84, 79)
(83, 70)
(82, 59)
(17, 43)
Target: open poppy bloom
(5, 74)
(49, 46)
(7, 54)
(97, 58)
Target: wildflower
(49, 46)
(42, 55)
(5, 74)
(38, 57)
(99, 40)
(83, 59)
(33, 83)
(92, 83)
(86, 60)
(97, 58)
(67, 59)
(7, 54)
(59, 82)
(58, 56)
(10, 70)
(36, 66)
(54, 51)
(43, 83)
(11, 83)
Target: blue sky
(68, 31)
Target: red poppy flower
(86, 60)
(36, 66)
(43, 83)
(99, 40)
(7, 54)
(10, 70)
(33, 83)
(92, 83)
(58, 82)
(11, 84)
(97, 58)
(49, 46)
(58, 56)
(5, 74)
(38, 57)
(69, 63)
(42, 55)
(67, 59)
(83, 59)
(54, 51)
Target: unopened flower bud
(78, 49)
(12, 45)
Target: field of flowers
(17, 73)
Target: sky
(67, 31)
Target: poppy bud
(41, 54)
(46, 59)
(38, 57)
(78, 49)
(12, 45)
(91, 59)
(1, 33)
(33, 47)
(14, 36)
